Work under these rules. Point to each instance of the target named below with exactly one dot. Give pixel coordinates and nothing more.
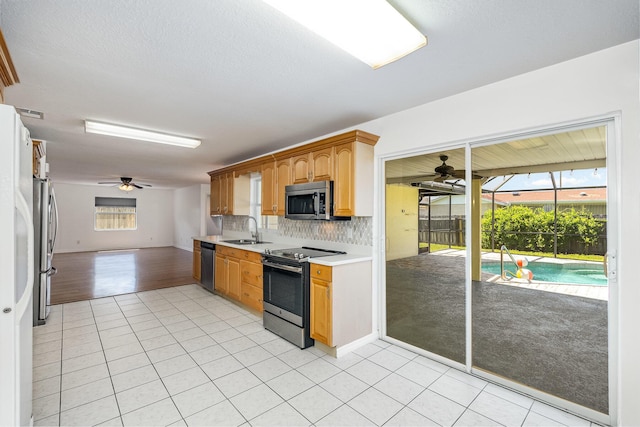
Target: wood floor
(86, 275)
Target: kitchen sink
(244, 242)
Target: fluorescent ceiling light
(371, 30)
(140, 134)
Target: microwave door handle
(316, 203)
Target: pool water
(575, 273)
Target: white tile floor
(182, 356)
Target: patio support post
(555, 213)
(476, 228)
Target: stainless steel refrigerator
(45, 224)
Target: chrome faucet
(255, 235)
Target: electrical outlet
(350, 233)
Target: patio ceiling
(574, 150)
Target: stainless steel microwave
(310, 201)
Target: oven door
(283, 289)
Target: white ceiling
(247, 80)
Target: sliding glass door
(502, 268)
(425, 252)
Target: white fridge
(16, 270)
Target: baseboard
(348, 348)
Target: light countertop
(332, 260)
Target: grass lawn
(597, 258)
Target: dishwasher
(207, 264)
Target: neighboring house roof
(576, 195)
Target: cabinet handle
(318, 272)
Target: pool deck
(586, 291)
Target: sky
(542, 181)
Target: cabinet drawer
(251, 296)
(239, 253)
(322, 272)
(251, 273)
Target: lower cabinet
(196, 260)
(341, 303)
(239, 275)
(321, 304)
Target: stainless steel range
(286, 292)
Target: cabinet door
(252, 296)
(221, 283)
(269, 183)
(322, 164)
(283, 178)
(215, 195)
(251, 273)
(196, 260)
(321, 311)
(300, 170)
(344, 181)
(233, 265)
(224, 193)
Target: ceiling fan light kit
(382, 35)
(139, 134)
(126, 184)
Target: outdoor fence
(452, 233)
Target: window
(115, 213)
(255, 208)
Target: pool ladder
(503, 272)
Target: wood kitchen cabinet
(321, 314)
(251, 281)
(352, 175)
(221, 281)
(196, 260)
(314, 166)
(347, 159)
(239, 275)
(230, 194)
(341, 303)
(276, 175)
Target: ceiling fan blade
(145, 185)
(110, 182)
(136, 185)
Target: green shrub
(524, 228)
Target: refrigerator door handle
(23, 209)
(55, 229)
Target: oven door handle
(283, 267)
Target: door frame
(611, 121)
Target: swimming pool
(575, 273)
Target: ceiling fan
(446, 172)
(126, 184)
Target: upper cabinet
(314, 166)
(8, 74)
(276, 175)
(353, 179)
(346, 159)
(230, 194)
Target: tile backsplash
(358, 231)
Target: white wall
(76, 209)
(187, 214)
(593, 85)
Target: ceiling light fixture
(371, 30)
(139, 134)
(126, 187)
